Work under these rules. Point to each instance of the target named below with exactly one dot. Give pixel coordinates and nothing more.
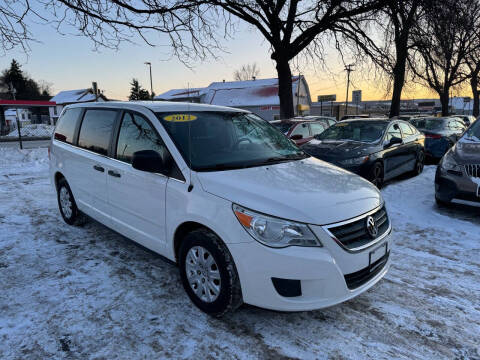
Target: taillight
(433, 136)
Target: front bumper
(456, 187)
(321, 272)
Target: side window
(96, 129)
(301, 129)
(67, 124)
(414, 130)
(136, 134)
(331, 122)
(393, 131)
(406, 130)
(317, 128)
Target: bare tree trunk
(398, 82)
(399, 76)
(476, 103)
(285, 89)
(444, 100)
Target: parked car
(246, 215)
(440, 134)
(376, 149)
(467, 119)
(457, 179)
(302, 130)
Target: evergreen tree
(27, 88)
(137, 92)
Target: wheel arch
(183, 229)
(58, 175)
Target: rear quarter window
(67, 124)
(96, 130)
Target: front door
(137, 198)
(393, 156)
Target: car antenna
(190, 186)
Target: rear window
(96, 129)
(67, 124)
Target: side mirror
(149, 161)
(296, 137)
(393, 141)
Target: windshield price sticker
(180, 118)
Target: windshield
(363, 131)
(473, 132)
(213, 140)
(282, 126)
(429, 123)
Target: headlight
(355, 161)
(449, 163)
(273, 231)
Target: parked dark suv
(458, 175)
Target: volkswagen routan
(247, 216)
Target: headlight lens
(449, 163)
(275, 232)
(355, 161)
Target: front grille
(354, 234)
(358, 278)
(472, 170)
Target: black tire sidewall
(417, 170)
(211, 243)
(71, 220)
(375, 165)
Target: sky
(68, 61)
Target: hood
(333, 151)
(309, 191)
(467, 152)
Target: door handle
(114, 173)
(98, 168)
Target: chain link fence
(23, 128)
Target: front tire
(208, 273)
(376, 175)
(66, 204)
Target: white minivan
(246, 215)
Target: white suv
(246, 215)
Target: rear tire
(208, 273)
(66, 204)
(376, 175)
(419, 164)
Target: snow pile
(34, 130)
(17, 160)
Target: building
(30, 112)
(258, 96)
(457, 105)
(67, 97)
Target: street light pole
(348, 69)
(151, 82)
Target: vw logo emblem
(372, 227)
